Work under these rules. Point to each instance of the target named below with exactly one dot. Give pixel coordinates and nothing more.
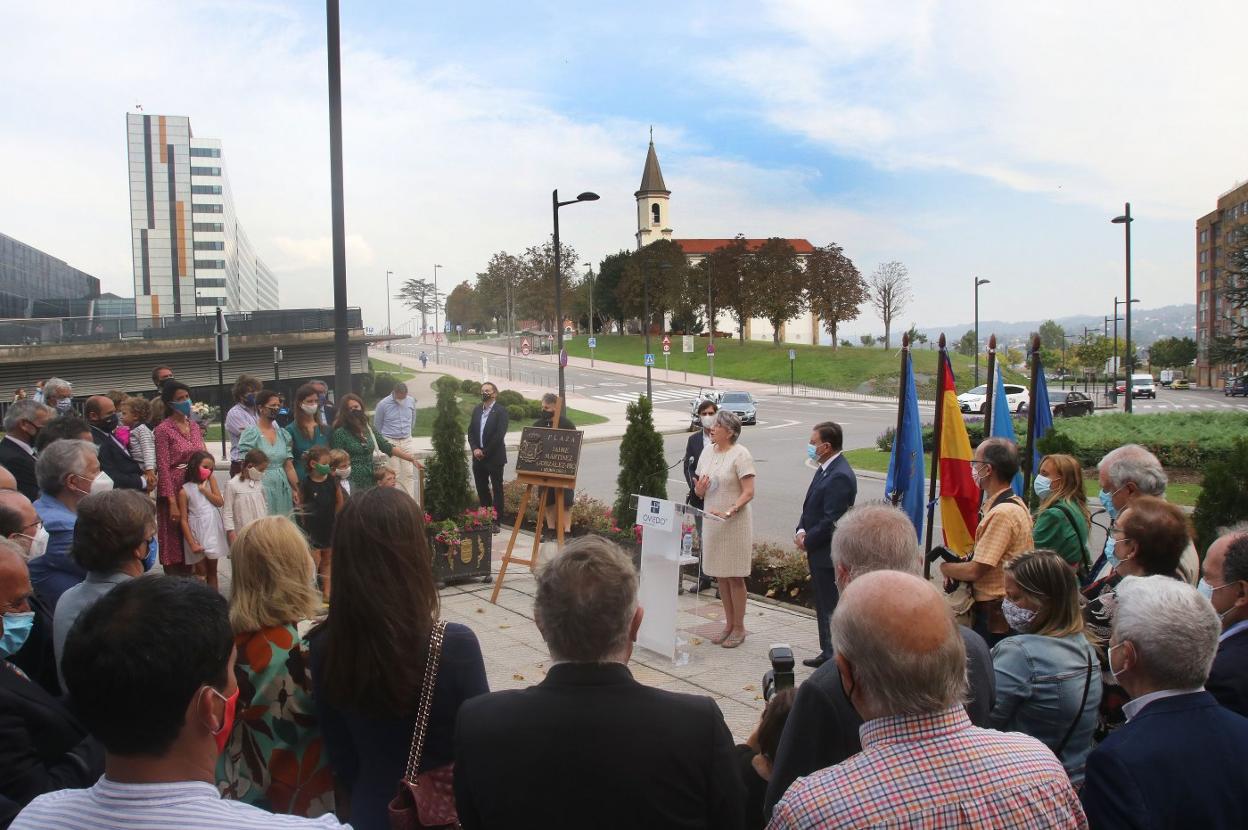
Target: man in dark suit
(693, 451)
(589, 745)
(832, 491)
(42, 746)
(115, 460)
(1180, 760)
(22, 424)
(1225, 582)
(487, 431)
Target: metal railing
(497, 367)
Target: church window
(654, 212)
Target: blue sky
(960, 138)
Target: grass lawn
(423, 427)
(400, 372)
(851, 369)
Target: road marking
(780, 426)
(666, 395)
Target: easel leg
(537, 531)
(511, 543)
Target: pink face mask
(204, 473)
(122, 434)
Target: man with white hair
(58, 393)
(1225, 583)
(69, 471)
(22, 423)
(903, 665)
(822, 728)
(21, 527)
(1180, 760)
(1125, 474)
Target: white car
(976, 400)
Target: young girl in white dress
(203, 531)
(244, 494)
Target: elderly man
(115, 460)
(58, 393)
(69, 471)
(589, 745)
(44, 747)
(1003, 533)
(822, 728)
(1225, 583)
(21, 527)
(1125, 474)
(22, 424)
(1180, 760)
(394, 417)
(903, 665)
(150, 668)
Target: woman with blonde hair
(1061, 522)
(275, 758)
(1048, 679)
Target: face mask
(321, 469)
(17, 627)
(1107, 501)
(1043, 487)
(64, 404)
(222, 735)
(271, 412)
(355, 414)
(100, 484)
(1109, 658)
(250, 399)
(1110, 544)
(254, 474)
(38, 543)
(204, 473)
(1206, 590)
(1019, 618)
(122, 434)
(812, 453)
(708, 421)
(310, 408)
(343, 472)
(110, 423)
(485, 396)
(183, 407)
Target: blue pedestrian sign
(649, 360)
(593, 342)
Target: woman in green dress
(307, 430)
(281, 485)
(353, 435)
(1061, 521)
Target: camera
(780, 675)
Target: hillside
(1147, 325)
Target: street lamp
(437, 329)
(555, 205)
(589, 277)
(1125, 220)
(342, 340)
(1117, 302)
(978, 283)
(389, 331)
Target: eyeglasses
(37, 524)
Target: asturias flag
(959, 496)
(905, 465)
(1003, 423)
(1043, 422)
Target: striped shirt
(935, 771)
(182, 805)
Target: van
(1142, 386)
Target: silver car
(742, 405)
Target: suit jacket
(22, 465)
(590, 746)
(693, 451)
(1228, 679)
(42, 746)
(37, 656)
(116, 461)
(495, 434)
(1181, 762)
(831, 493)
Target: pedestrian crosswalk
(1141, 406)
(660, 395)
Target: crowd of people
(1074, 691)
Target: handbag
(380, 459)
(426, 799)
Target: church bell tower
(653, 223)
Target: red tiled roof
(705, 246)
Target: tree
(968, 344)
(1052, 335)
(724, 269)
(916, 336)
(643, 470)
(1223, 497)
(446, 493)
(610, 272)
(535, 294)
(1172, 352)
(496, 288)
(660, 269)
(1230, 347)
(834, 288)
(419, 296)
(775, 278)
(461, 306)
(866, 340)
(889, 293)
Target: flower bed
(462, 546)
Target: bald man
(1225, 583)
(7, 481)
(126, 473)
(21, 527)
(903, 665)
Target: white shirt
(1132, 707)
(485, 413)
(1233, 630)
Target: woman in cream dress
(726, 483)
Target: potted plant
(460, 538)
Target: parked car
(1236, 386)
(1142, 386)
(1180, 383)
(703, 395)
(1076, 404)
(740, 404)
(976, 399)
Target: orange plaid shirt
(1003, 533)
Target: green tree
(497, 286)
(724, 269)
(535, 294)
(419, 296)
(889, 292)
(461, 307)
(1052, 335)
(610, 271)
(775, 278)
(968, 344)
(446, 491)
(659, 269)
(643, 470)
(916, 336)
(1223, 496)
(834, 288)
(866, 340)
(1172, 352)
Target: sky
(963, 139)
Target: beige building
(1215, 234)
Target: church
(654, 223)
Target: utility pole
(437, 329)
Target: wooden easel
(544, 482)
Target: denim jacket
(1040, 681)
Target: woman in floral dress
(177, 438)
(353, 435)
(281, 486)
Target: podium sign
(663, 523)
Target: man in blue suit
(832, 491)
(1181, 759)
(1225, 582)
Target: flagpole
(992, 384)
(936, 434)
(895, 496)
(1036, 368)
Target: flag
(904, 486)
(959, 495)
(1042, 422)
(1002, 425)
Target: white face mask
(254, 474)
(100, 484)
(343, 472)
(310, 408)
(38, 543)
(708, 421)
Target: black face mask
(355, 415)
(110, 423)
(485, 396)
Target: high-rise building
(1215, 233)
(191, 254)
(35, 284)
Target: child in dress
(385, 477)
(340, 466)
(244, 494)
(320, 500)
(199, 505)
(135, 413)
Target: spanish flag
(959, 495)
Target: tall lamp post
(589, 277)
(437, 327)
(555, 205)
(1125, 220)
(342, 342)
(389, 330)
(1117, 302)
(978, 283)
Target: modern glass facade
(35, 284)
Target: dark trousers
(826, 595)
(487, 478)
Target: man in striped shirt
(150, 667)
(923, 764)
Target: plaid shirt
(1003, 533)
(935, 771)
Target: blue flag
(905, 464)
(1003, 423)
(1043, 422)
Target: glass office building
(35, 284)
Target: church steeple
(652, 201)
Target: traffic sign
(687, 343)
(525, 348)
(563, 357)
(593, 342)
(710, 349)
(369, 330)
(649, 360)
(792, 354)
(437, 338)
(667, 344)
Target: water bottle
(686, 542)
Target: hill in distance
(1147, 325)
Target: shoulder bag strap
(1065, 509)
(426, 701)
(1087, 684)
